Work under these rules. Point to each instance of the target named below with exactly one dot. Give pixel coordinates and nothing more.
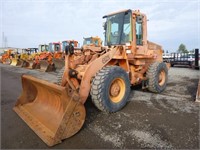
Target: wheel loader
(92, 42)
(47, 64)
(56, 111)
(28, 56)
(7, 57)
(16, 61)
(42, 54)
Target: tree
(182, 48)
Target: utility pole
(6, 44)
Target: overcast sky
(28, 23)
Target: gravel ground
(166, 120)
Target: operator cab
(91, 41)
(54, 47)
(119, 28)
(43, 48)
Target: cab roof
(125, 10)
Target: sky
(28, 23)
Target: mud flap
(59, 63)
(49, 111)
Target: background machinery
(43, 49)
(58, 57)
(96, 42)
(56, 111)
(46, 63)
(6, 58)
(27, 56)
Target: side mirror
(139, 19)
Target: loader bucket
(45, 66)
(51, 67)
(30, 64)
(36, 66)
(59, 63)
(49, 111)
(25, 64)
(16, 62)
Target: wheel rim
(162, 78)
(117, 90)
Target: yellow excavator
(56, 111)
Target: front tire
(110, 89)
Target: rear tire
(110, 89)
(157, 77)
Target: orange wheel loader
(92, 42)
(46, 63)
(7, 57)
(56, 111)
(43, 49)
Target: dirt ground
(166, 120)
